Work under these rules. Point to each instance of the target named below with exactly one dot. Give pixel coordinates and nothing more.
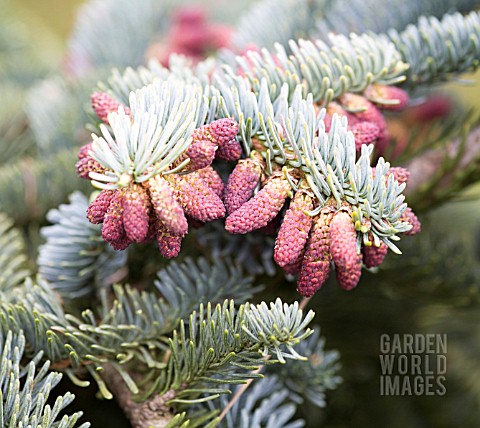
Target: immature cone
(223, 131)
(400, 174)
(86, 165)
(343, 247)
(332, 108)
(387, 97)
(201, 154)
(196, 198)
(213, 180)
(316, 261)
(241, 183)
(98, 207)
(262, 208)
(168, 244)
(364, 110)
(364, 133)
(113, 231)
(230, 151)
(373, 256)
(84, 150)
(103, 104)
(293, 233)
(136, 208)
(219, 131)
(166, 207)
(410, 217)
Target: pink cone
(213, 180)
(374, 256)
(262, 208)
(197, 199)
(293, 233)
(343, 247)
(166, 207)
(86, 165)
(98, 207)
(201, 154)
(230, 151)
(364, 133)
(136, 210)
(241, 183)
(316, 261)
(410, 217)
(103, 104)
(168, 244)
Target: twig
(304, 303)
(153, 413)
(239, 393)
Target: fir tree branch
(13, 261)
(435, 50)
(24, 390)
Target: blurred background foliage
(433, 287)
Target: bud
(343, 247)
(84, 150)
(241, 183)
(293, 233)
(316, 261)
(262, 208)
(98, 207)
(223, 131)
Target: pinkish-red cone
(241, 183)
(166, 207)
(168, 244)
(136, 210)
(86, 165)
(230, 151)
(98, 207)
(213, 180)
(113, 231)
(262, 208)
(316, 261)
(103, 104)
(197, 199)
(400, 174)
(343, 247)
(364, 133)
(410, 217)
(293, 233)
(373, 256)
(201, 154)
(84, 150)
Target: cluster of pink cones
(163, 207)
(365, 118)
